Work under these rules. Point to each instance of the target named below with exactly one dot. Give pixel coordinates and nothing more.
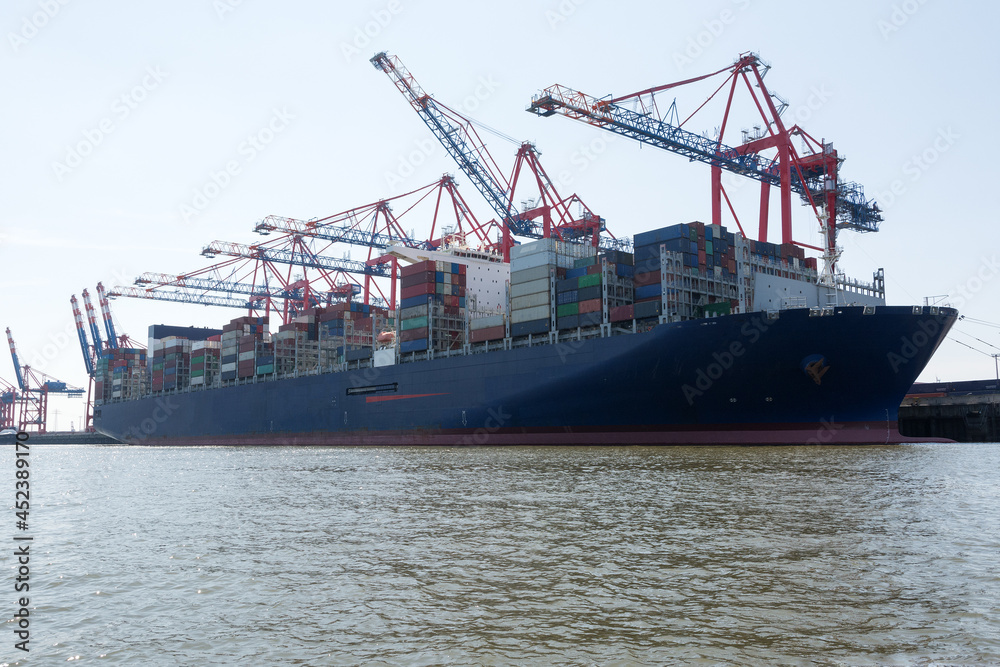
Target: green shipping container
(568, 309)
(264, 370)
(414, 323)
(592, 280)
(197, 374)
(158, 367)
(197, 360)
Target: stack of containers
(681, 239)
(432, 306)
(488, 327)
(532, 265)
(120, 373)
(156, 375)
(232, 346)
(205, 360)
(289, 339)
(176, 362)
(579, 298)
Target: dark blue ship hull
(796, 378)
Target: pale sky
(116, 115)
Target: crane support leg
(716, 195)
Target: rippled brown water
(627, 556)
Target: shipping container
(524, 328)
(568, 322)
(413, 334)
(590, 306)
(488, 322)
(621, 313)
(413, 345)
(644, 309)
(487, 333)
(528, 275)
(413, 323)
(529, 301)
(529, 314)
(530, 287)
(567, 309)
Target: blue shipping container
(413, 345)
(647, 291)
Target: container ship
(698, 336)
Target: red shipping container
(416, 279)
(489, 333)
(461, 269)
(417, 290)
(363, 324)
(590, 306)
(594, 268)
(419, 267)
(701, 258)
(622, 313)
(648, 278)
(412, 334)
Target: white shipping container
(229, 367)
(530, 287)
(530, 301)
(530, 314)
(245, 356)
(198, 380)
(528, 275)
(486, 322)
(531, 261)
(532, 248)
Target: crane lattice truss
(95, 332)
(31, 407)
(252, 270)
(376, 226)
(813, 174)
(8, 405)
(460, 139)
(81, 332)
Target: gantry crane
(813, 175)
(35, 388)
(81, 332)
(459, 138)
(95, 332)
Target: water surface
(495, 556)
